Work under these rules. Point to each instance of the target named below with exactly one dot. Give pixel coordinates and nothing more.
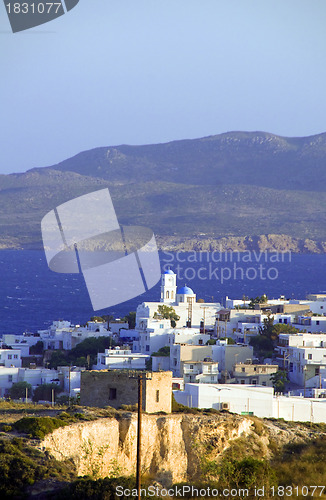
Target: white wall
(259, 400)
(160, 363)
(8, 376)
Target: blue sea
(32, 296)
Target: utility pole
(69, 385)
(140, 408)
(204, 317)
(140, 376)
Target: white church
(195, 317)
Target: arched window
(167, 295)
(172, 294)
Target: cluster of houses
(207, 371)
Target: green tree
(163, 351)
(245, 473)
(18, 390)
(44, 392)
(281, 328)
(268, 334)
(130, 319)
(279, 380)
(98, 319)
(260, 299)
(167, 312)
(89, 347)
(58, 358)
(37, 348)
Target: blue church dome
(185, 290)
(169, 271)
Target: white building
(202, 372)
(254, 374)
(33, 376)
(8, 376)
(181, 353)
(252, 400)
(227, 355)
(64, 335)
(161, 363)
(153, 334)
(183, 300)
(70, 376)
(188, 336)
(304, 355)
(38, 376)
(312, 324)
(119, 359)
(10, 358)
(116, 326)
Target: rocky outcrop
(175, 447)
(261, 243)
(172, 445)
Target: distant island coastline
(263, 243)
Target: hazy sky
(115, 72)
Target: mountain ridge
(231, 185)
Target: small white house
(10, 358)
(118, 359)
(202, 372)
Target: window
(243, 369)
(157, 396)
(9, 378)
(242, 381)
(147, 348)
(161, 325)
(9, 356)
(321, 307)
(15, 356)
(200, 342)
(309, 356)
(316, 371)
(212, 378)
(191, 367)
(167, 295)
(112, 393)
(317, 322)
(263, 383)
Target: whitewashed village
(262, 357)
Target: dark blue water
(32, 296)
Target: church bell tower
(168, 287)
